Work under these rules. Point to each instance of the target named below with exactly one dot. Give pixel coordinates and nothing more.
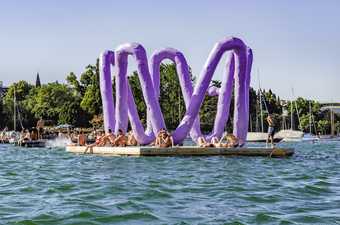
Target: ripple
(51, 186)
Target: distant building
(3, 90)
(37, 81)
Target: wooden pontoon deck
(184, 151)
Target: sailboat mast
(310, 117)
(261, 113)
(291, 115)
(332, 122)
(14, 110)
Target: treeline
(78, 102)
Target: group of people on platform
(227, 141)
(163, 140)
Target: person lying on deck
(164, 139)
(120, 140)
(201, 142)
(232, 141)
(131, 140)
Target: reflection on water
(50, 186)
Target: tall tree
(54, 102)
(37, 81)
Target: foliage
(21, 90)
(79, 103)
(323, 126)
(54, 102)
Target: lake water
(50, 186)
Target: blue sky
(295, 43)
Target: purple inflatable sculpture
(118, 114)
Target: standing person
(40, 127)
(271, 130)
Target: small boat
(310, 137)
(290, 135)
(261, 137)
(32, 144)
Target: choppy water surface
(50, 186)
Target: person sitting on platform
(120, 140)
(202, 142)
(22, 136)
(81, 139)
(27, 136)
(34, 134)
(109, 138)
(164, 139)
(131, 140)
(98, 142)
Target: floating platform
(183, 151)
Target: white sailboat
(310, 136)
(260, 136)
(14, 135)
(290, 135)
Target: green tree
(55, 102)
(87, 88)
(323, 126)
(21, 90)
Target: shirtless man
(131, 140)
(120, 140)
(27, 136)
(271, 131)
(40, 127)
(81, 139)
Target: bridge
(334, 108)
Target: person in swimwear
(203, 143)
(164, 139)
(27, 136)
(131, 140)
(271, 131)
(81, 139)
(98, 142)
(120, 140)
(232, 141)
(109, 138)
(218, 143)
